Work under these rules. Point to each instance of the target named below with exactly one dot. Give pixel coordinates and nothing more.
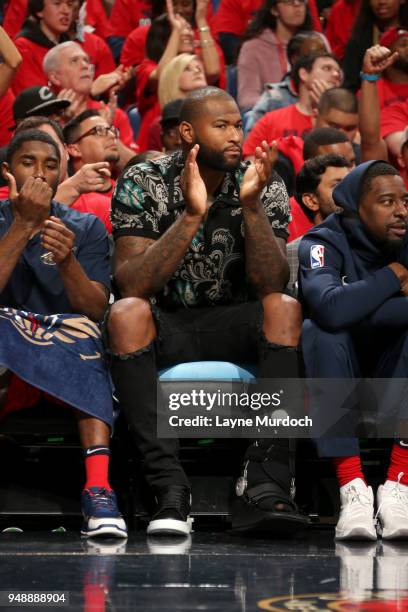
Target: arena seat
(135, 120)
(208, 370)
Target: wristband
(364, 76)
(204, 29)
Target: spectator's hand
(75, 103)
(125, 73)
(317, 88)
(92, 177)
(176, 21)
(107, 111)
(193, 186)
(111, 80)
(32, 204)
(201, 12)
(377, 59)
(58, 239)
(258, 173)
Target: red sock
(398, 463)
(97, 471)
(347, 469)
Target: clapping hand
(258, 173)
(193, 186)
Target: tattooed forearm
(143, 272)
(266, 265)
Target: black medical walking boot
(263, 501)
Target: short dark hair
(379, 168)
(34, 123)
(307, 62)
(193, 103)
(295, 44)
(29, 136)
(72, 128)
(157, 38)
(340, 98)
(319, 137)
(310, 175)
(34, 7)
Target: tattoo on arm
(265, 255)
(144, 266)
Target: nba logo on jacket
(316, 256)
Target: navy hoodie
(343, 274)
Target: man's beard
(211, 158)
(392, 248)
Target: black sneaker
(172, 515)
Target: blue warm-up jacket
(343, 274)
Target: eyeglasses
(100, 130)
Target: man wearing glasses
(90, 139)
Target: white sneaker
(392, 501)
(356, 520)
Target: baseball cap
(38, 100)
(171, 111)
(390, 36)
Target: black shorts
(214, 333)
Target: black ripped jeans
(220, 333)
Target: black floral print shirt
(148, 199)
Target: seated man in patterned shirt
(201, 265)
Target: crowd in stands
(113, 105)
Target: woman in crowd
(183, 74)
(262, 58)
(169, 36)
(374, 18)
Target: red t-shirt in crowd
(148, 103)
(30, 72)
(17, 9)
(389, 93)
(287, 121)
(98, 204)
(340, 25)
(4, 192)
(154, 141)
(126, 15)
(233, 15)
(14, 16)
(299, 222)
(99, 53)
(394, 118)
(6, 117)
(133, 50)
(97, 18)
